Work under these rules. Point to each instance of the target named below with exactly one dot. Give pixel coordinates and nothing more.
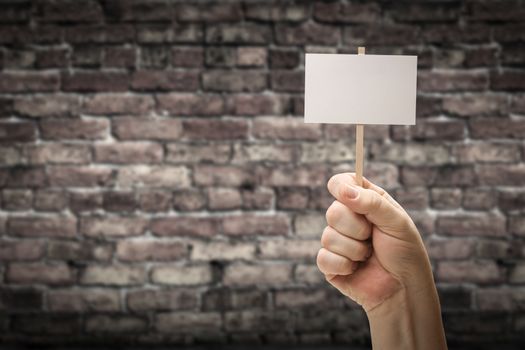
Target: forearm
(410, 319)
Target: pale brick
(250, 224)
(187, 321)
(208, 251)
(147, 250)
(149, 299)
(49, 226)
(289, 249)
(113, 275)
(26, 250)
(240, 274)
(113, 226)
(70, 300)
(153, 176)
(36, 273)
(182, 275)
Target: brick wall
(158, 183)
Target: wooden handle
(359, 142)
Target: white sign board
(360, 89)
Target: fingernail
(351, 191)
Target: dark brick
(95, 81)
(24, 82)
(17, 132)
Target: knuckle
(334, 213)
(321, 260)
(326, 237)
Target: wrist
(411, 317)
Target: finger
(345, 246)
(371, 202)
(350, 224)
(333, 264)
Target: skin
(373, 253)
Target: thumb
(371, 201)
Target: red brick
(26, 250)
(17, 199)
(120, 201)
(412, 198)
(335, 12)
(24, 177)
(480, 272)
(99, 34)
(135, 128)
(307, 33)
(70, 11)
(128, 153)
(472, 224)
(119, 57)
(292, 198)
(187, 56)
(52, 58)
(257, 199)
(347, 132)
(430, 130)
(287, 81)
(481, 57)
(486, 152)
(148, 250)
(172, 33)
(17, 132)
(276, 12)
(234, 81)
(264, 152)
(426, 12)
(186, 321)
(502, 174)
(448, 81)
(71, 129)
(299, 176)
(154, 201)
(36, 273)
(481, 128)
(191, 104)
(245, 33)
(284, 58)
(113, 275)
(209, 12)
(380, 35)
(139, 10)
(57, 153)
(445, 198)
(213, 129)
(149, 299)
(189, 200)
(82, 176)
(24, 82)
(510, 80)
(217, 175)
(189, 153)
(94, 81)
(68, 300)
(475, 104)
(165, 80)
(113, 226)
(85, 201)
(450, 249)
(20, 299)
(79, 251)
(154, 176)
(478, 199)
(509, 33)
(251, 224)
(47, 105)
(285, 129)
(54, 325)
(52, 226)
(108, 104)
(185, 226)
(511, 200)
(495, 11)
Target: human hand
(371, 247)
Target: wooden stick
(359, 142)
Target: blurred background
(158, 184)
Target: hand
(371, 247)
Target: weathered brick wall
(158, 183)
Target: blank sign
(360, 89)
